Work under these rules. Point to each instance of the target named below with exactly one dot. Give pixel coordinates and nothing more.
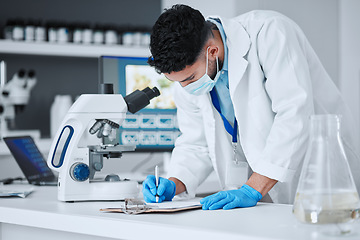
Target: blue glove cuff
(251, 192)
(174, 187)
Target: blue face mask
(204, 84)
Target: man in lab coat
(246, 89)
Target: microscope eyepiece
(31, 73)
(21, 73)
(151, 93)
(137, 100)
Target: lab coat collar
(235, 31)
(238, 43)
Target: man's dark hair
(177, 38)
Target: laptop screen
(29, 158)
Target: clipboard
(138, 206)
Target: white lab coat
(276, 82)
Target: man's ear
(213, 52)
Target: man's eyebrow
(186, 79)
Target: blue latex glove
(166, 189)
(246, 196)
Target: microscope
(14, 96)
(87, 135)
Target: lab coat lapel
(210, 121)
(238, 43)
(215, 137)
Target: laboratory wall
(349, 59)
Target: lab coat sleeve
(288, 85)
(190, 161)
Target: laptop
(30, 160)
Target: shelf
(70, 49)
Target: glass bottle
(29, 31)
(326, 193)
(8, 30)
(40, 31)
(18, 30)
(78, 33)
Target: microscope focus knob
(97, 166)
(79, 172)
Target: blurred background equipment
(14, 96)
(58, 110)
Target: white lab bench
(41, 216)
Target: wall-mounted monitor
(153, 128)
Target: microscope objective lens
(96, 127)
